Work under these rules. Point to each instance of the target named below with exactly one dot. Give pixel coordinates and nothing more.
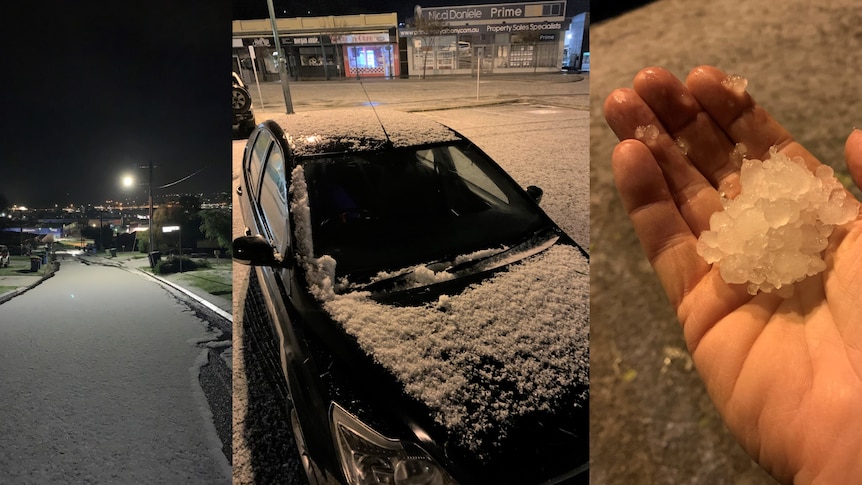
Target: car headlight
(369, 458)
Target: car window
(255, 161)
(390, 209)
(273, 198)
(476, 179)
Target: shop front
(318, 48)
(312, 57)
(504, 38)
(370, 55)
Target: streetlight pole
(282, 61)
(150, 230)
(128, 181)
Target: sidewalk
(12, 285)
(220, 304)
(18, 285)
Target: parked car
(4, 256)
(243, 116)
(432, 321)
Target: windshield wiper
(533, 243)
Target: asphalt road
(651, 419)
(433, 93)
(100, 383)
(535, 127)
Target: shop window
(547, 55)
(375, 60)
(270, 60)
(310, 57)
(502, 57)
(363, 58)
(528, 55)
(521, 56)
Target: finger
(743, 120)
(693, 130)
(697, 199)
(625, 111)
(666, 237)
(853, 156)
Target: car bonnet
(512, 345)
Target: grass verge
(20, 266)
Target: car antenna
(371, 103)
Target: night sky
(95, 89)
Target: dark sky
(94, 89)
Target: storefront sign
(531, 27)
(494, 29)
(364, 38)
(300, 40)
(495, 12)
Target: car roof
(359, 129)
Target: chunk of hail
(773, 232)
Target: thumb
(853, 155)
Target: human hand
(785, 374)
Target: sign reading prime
(496, 11)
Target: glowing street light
(127, 181)
(172, 229)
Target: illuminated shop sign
(495, 12)
(364, 38)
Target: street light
(128, 181)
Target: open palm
(785, 374)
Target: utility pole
(282, 61)
(150, 230)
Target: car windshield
(386, 210)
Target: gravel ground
(651, 420)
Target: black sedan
(432, 320)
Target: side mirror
(535, 193)
(256, 251)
